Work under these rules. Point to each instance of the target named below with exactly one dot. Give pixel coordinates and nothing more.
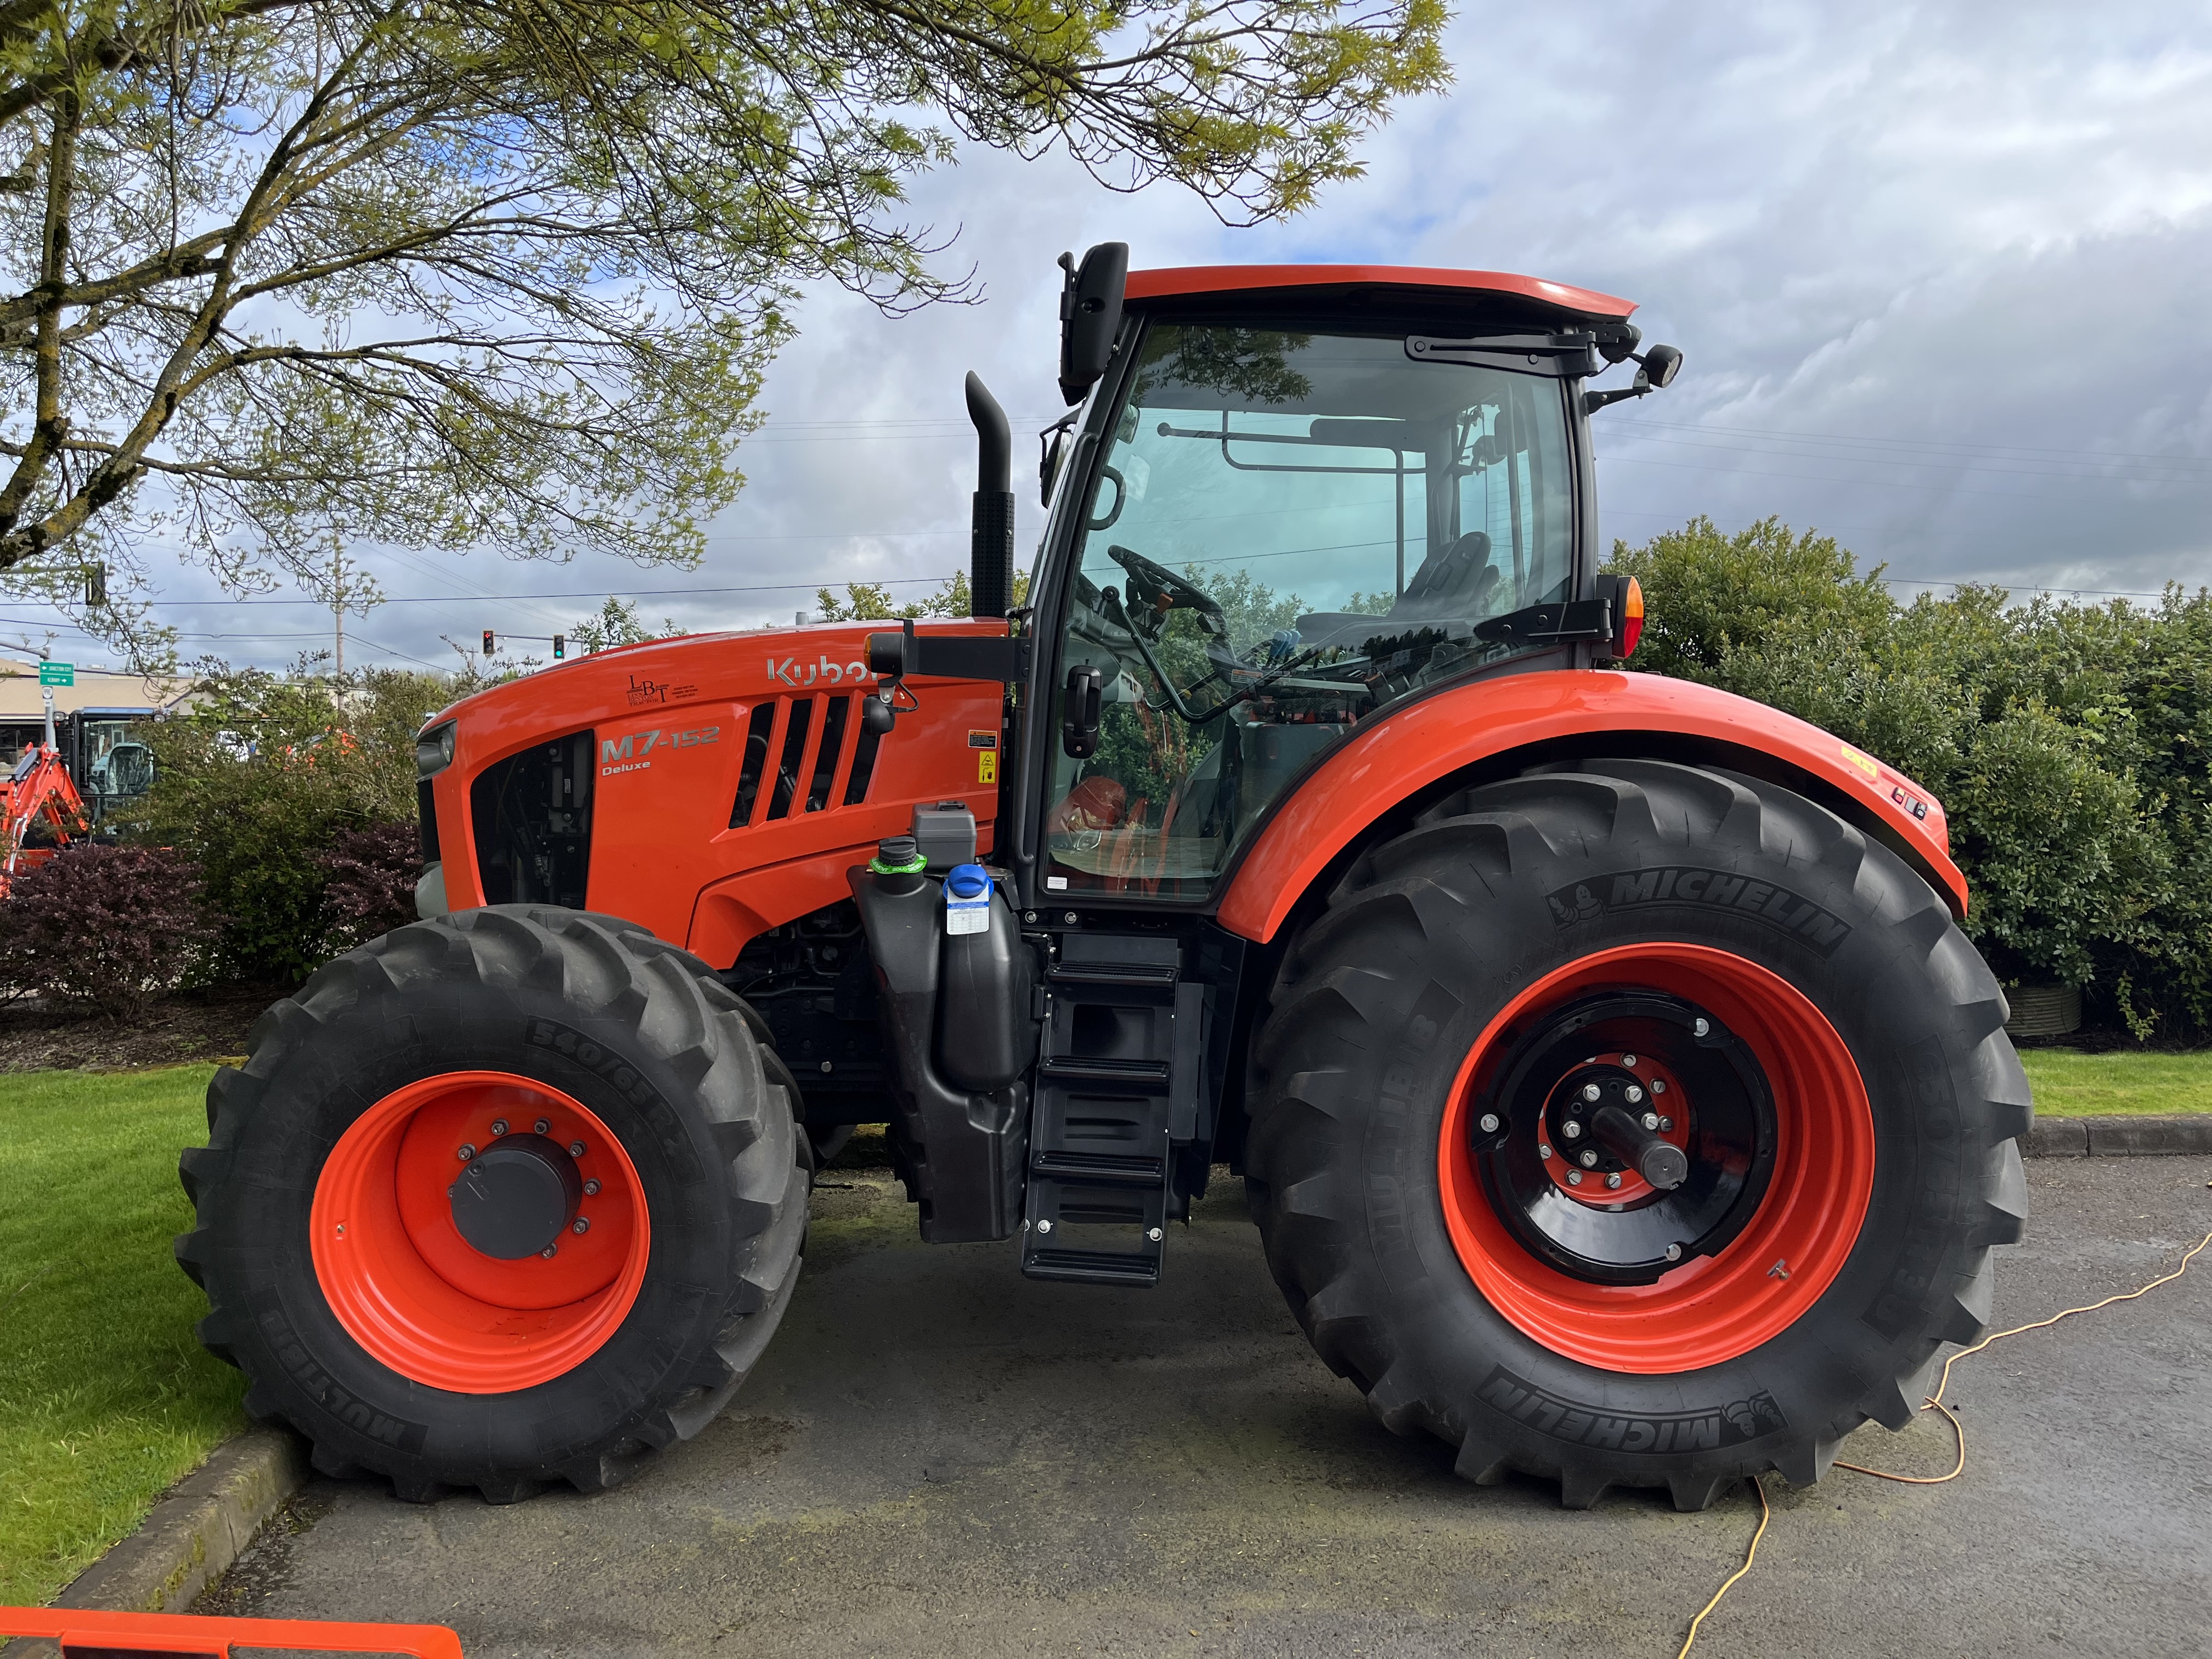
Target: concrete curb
(2120, 1137)
(193, 1533)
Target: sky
(1938, 271)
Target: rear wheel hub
(1600, 1096)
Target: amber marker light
(1631, 617)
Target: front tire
(1457, 1239)
(500, 1199)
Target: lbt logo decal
(788, 672)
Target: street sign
(57, 674)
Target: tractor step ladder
(1117, 1085)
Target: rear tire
(1409, 1007)
(402, 1349)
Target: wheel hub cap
(517, 1197)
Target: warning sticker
(982, 739)
(986, 767)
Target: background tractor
(1618, 1097)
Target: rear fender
(1498, 725)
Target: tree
(617, 623)
(871, 601)
(445, 273)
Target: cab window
(1289, 533)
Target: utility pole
(337, 603)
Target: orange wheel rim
(1793, 1234)
(413, 1291)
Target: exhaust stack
(991, 557)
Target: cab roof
(1431, 282)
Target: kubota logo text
(792, 672)
(628, 753)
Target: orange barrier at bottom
(85, 1635)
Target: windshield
(1289, 531)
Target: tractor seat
(1453, 585)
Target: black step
(1067, 1222)
(1117, 959)
(1093, 1068)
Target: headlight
(433, 750)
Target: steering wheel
(1155, 590)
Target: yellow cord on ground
(1935, 1403)
(1750, 1555)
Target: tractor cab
(1294, 499)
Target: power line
(601, 592)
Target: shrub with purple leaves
(368, 885)
(105, 927)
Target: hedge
(2069, 743)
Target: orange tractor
(40, 811)
(1617, 1096)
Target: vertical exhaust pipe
(991, 545)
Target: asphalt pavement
(938, 1457)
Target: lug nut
(1590, 1158)
(591, 1189)
(498, 1127)
(1673, 1253)
(1543, 1151)
(1490, 1123)
(1572, 1129)
(1665, 1124)
(1592, 1093)
(1651, 1119)
(1703, 1027)
(1574, 1178)
(1613, 1180)
(581, 1224)
(543, 1127)
(1629, 1060)
(467, 1152)
(548, 1251)
(1634, 1094)
(576, 1149)
(1658, 1085)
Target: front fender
(1488, 720)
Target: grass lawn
(105, 1397)
(2068, 1083)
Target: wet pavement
(938, 1457)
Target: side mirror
(1089, 315)
(1079, 712)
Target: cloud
(1938, 272)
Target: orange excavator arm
(38, 789)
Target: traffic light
(489, 643)
(560, 646)
(95, 585)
